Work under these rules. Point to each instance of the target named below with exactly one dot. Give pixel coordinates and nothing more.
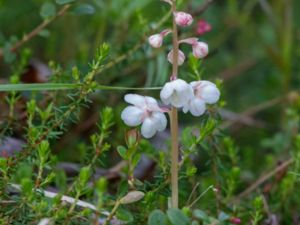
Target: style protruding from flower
(156, 40)
(177, 93)
(144, 110)
(200, 49)
(205, 92)
(181, 57)
(203, 27)
(183, 19)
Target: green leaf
(177, 217)
(9, 56)
(157, 217)
(199, 214)
(62, 2)
(48, 10)
(122, 152)
(124, 215)
(84, 9)
(44, 33)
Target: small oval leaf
(132, 197)
(177, 217)
(157, 217)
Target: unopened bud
(181, 57)
(200, 50)
(203, 27)
(235, 220)
(183, 19)
(155, 40)
(132, 137)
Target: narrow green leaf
(62, 2)
(62, 86)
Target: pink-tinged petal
(155, 40)
(177, 93)
(160, 120)
(183, 19)
(150, 100)
(181, 57)
(148, 129)
(190, 41)
(135, 99)
(197, 107)
(200, 50)
(132, 116)
(165, 32)
(151, 104)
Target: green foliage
(62, 89)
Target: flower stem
(174, 120)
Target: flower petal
(135, 99)
(160, 120)
(148, 128)
(197, 107)
(166, 93)
(210, 93)
(132, 116)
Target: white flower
(181, 57)
(155, 40)
(200, 49)
(205, 92)
(183, 19)
(177, 93)
(144, 110)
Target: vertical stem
(174, 120)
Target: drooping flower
(177, 93)
(156, 40)
(205, 92)
(200, 49)
(183, 19)
(203, 27)
(181, 57)
(144, 110)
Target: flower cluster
(177, 93)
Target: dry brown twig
(262, 179)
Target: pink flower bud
(235, 220)
(181, 57)
(203, 27)
(155, 40)
(200, 50)
(183, 19)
